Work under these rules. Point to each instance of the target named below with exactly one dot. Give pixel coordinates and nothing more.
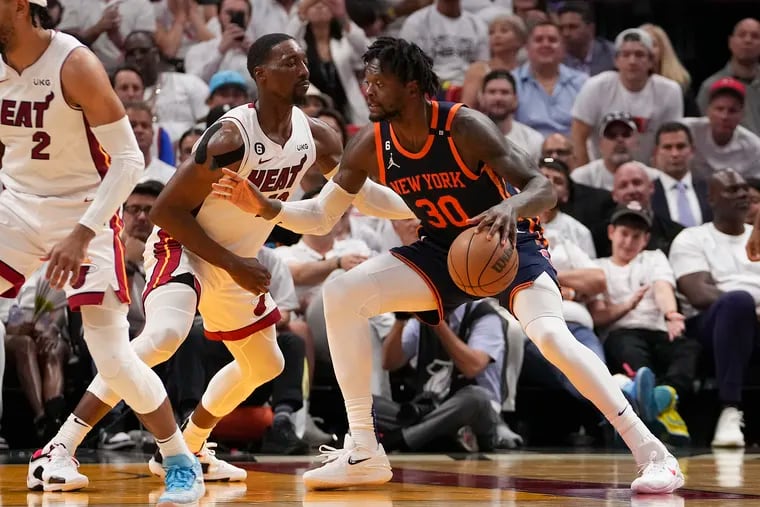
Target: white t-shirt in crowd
(564, 228)
(180, 102)
(527, 138)
(622, 281)
(705, 248)
(742, 153)
(660, 101)
(204, 60)
(566, 256)
(452, 43)
(282, 288)
(79, 15)
(301, 253)
(158, 170)
(595, 174)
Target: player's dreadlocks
(406, 61)
(40, 16)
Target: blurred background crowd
(644, 115)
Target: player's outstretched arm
(373, 199)
(479, 141)
(86, 86)
(310, 216)
(221, 146)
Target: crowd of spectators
(658, 185)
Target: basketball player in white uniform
(203, 250)
(69, 160)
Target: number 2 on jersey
(43, 141)
(446, 211)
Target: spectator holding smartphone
(228, 51)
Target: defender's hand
(242, 193)
(499, 219)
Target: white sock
(195, 435)
(71, 434)
(361, 422)
(174, 445)
(637, 436)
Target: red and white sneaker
(350, 466)
(214, 469)
(659, 476)
(54, 469)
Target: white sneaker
(659, 476)
(214, 469)
(728, 432)
(350, 466)
(54, 470)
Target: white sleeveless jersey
(276, 170)
(49, 147)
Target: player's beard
(385, 115)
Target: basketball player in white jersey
(70, 159)
(203, 250)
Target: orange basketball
(480, 267)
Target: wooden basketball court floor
(520, 478)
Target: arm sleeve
(318, 215)
(127, 167)
(380, 201)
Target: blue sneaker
(644, 387)
(184, 481)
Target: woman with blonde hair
(667, 64)
(506, 36)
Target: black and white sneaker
(54, 469)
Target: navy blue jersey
(436, 184)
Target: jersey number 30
(446, 211)
(43, 141)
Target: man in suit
(678, 194)
(632, 183)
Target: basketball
(480, 267)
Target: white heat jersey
(49, 147)
(276, 170)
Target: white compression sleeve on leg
(380, 201)
(169, 313)
(127, 166)
(318, 215)
(106, 332)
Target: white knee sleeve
(106, 332)
(169, 316)
(258, 359)
(169, 313)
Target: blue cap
(224, 78)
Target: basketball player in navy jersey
(454, 169)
